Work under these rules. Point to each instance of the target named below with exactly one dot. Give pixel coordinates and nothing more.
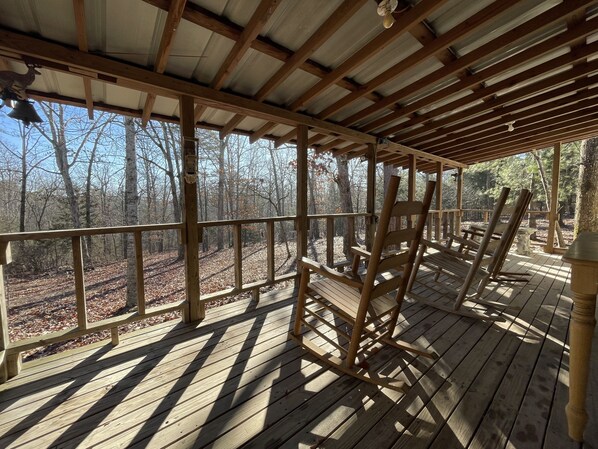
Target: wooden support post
(270, 250)
(459, 214)
(139, 273)
(411, 180)
(14, 363)
(330, 241)
(255, 295)
(238, 251)
(195, 309)
(370, 223)
(79, 282)
(554, 198)
(302, 220)
(439, 170)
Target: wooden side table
(583, 257)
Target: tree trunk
(131, 201)
(586, 209)
(344, 188)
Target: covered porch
(451, 84)
(234, 379)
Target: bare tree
(344, 188)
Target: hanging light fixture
(510, 126)
(13, 94)
(385, 9)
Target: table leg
(580, 340)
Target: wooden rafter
(173, 19)
(518, 59)
(327, 29)
(485, 51)
(514, 111)
(79, 10)
(405, 22)
(255, 25)
(441, 43)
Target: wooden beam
(458, 32)
(194, 310)
(483, 52)
(65, 59)
(554, 198)
(404, 23)
(175, 14)
(79, 10)
(327, 29)
(302, 220)
(258, 20)
(411, 183)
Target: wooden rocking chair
(499, 248)
(364, 303)
(464, 268)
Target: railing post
(79, 282)
(554, 198)
(439, 170)
(5, 259)
(270, 250)
(330, 241)
(195, 309)
(139, 273)
(457, 228)
(412, 176)
(238, 251)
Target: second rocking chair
(347, 315)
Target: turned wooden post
(583, 257)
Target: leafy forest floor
(43, 303)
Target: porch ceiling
(446, 79)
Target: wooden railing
(10, 350)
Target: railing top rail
(65, 233)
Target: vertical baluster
(351, 230)
(139, 273)
(270, 249)
(5, 259)
(79, 282)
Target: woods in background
(70, 172)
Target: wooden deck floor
(235, 380)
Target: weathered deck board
(235, 380)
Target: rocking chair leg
(301, 301)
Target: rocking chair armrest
(469, 243)
(445, 250)
(361, 252)
(330, 273)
